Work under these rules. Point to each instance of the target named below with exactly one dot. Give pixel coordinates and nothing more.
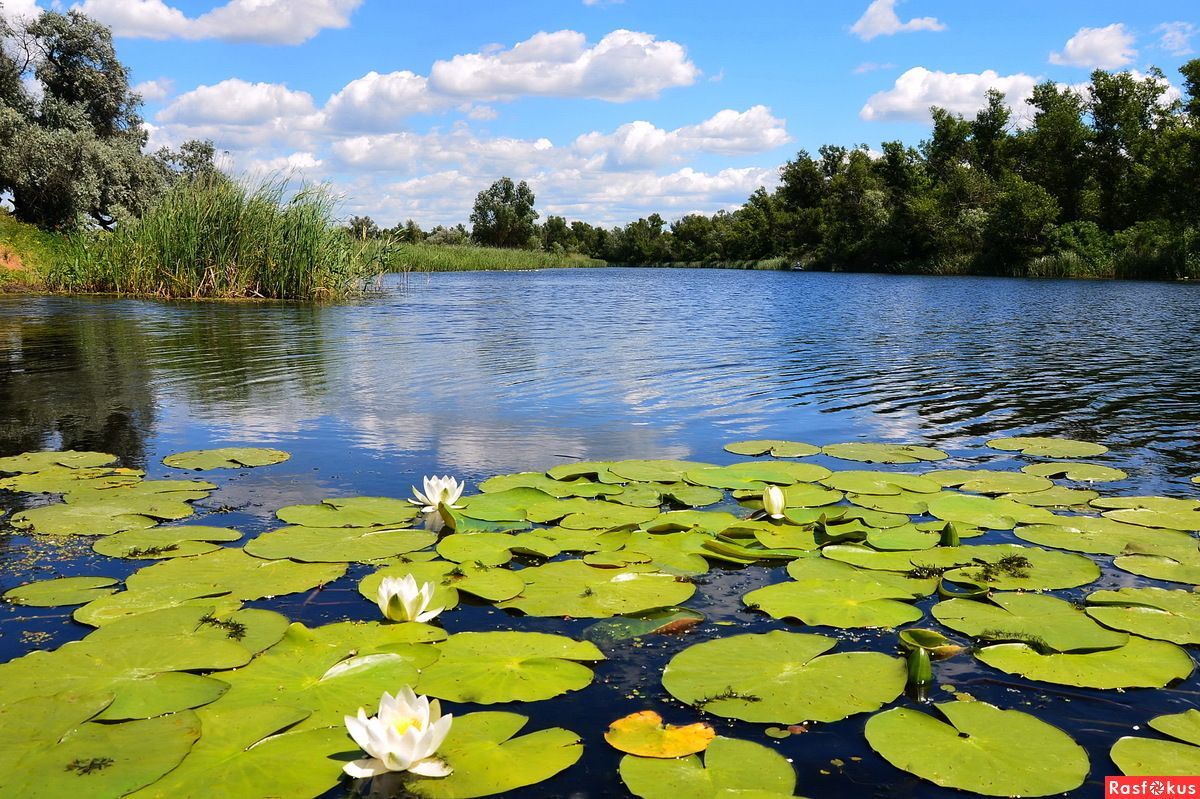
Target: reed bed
(465, 258)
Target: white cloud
(378, 102)
(1177, 37)
(1109, 47)
(155, 91)
(880, 19)
(261, 21)
(237, 102)
(919, 88)
(19, 9)
(624, 65)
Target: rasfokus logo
(1151, 786)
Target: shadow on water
(480, 373)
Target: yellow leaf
(644, 734)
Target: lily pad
(61, 591)
(1006, 567)
(581, 514)
(1106, 537)
(783, 678)
(691, 496)
(1138, 664)
(64, 479)
(1057, 497)
(983, 749)
(164, 542)
(1079, 472)
(884, 453)
(350, 512)
(40, 461)
(678, 554)
(1158, 567)
(492, 667)
(578, 487)
(122, 605)
(573, 588)
(63, 519)
(986, 512)
(225, 458)
(644, 734)
(731, 768)
(654, 471)
(244, 577)
(503, 506)
(987, 481)
(773, 447)
(1044, 447)
(448, 579)
(1149, 612)
(1172, 520)
(826, 592)
(486, 760)
(1156, 757)
(1047, 623)
(885, 483)
(337, 544)
(664, 621)
(494, 549)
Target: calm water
(481, 373)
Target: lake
(477, 374)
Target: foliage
(503, 215)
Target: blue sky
(610, 109)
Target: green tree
(363, 228)
(503, 215)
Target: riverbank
(466, 258)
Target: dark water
(475, 374)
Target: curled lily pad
(1149, 612)
(1079, 472)
(1047, 623)
(782, 677)
(1157, 757)
(41, 461)
(982, 749)
(932, 641)
(597, 470)
(1041, 446)
(225, 458)
(826, 592)
(1138, 664)
(987, 481)
(644, 734)
(664, 621)
(337, 544)
(164, 542)
(886, 483)
(884, 453)
(61, 591)
(1106, 537)
(350, 512)
(487, 760)
(492, 667)
(772, 447)
(730, 768)
(573, 588)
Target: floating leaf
(654, 471)
(782, 677)
(448, 579)
(494, 549)
(350, 512)
(578, 487)
(1047, 623)
(164, 542)
(1172, 520)
(337, 544)
(244, 577)
(1138, 664)
(679, 554)
(1163, 504)
(64, 479)
(124, 604)
(61, 591)
(503, 506)
(986, 512)
(731, 768)
(63, 519)
(826, 592)
(644, 734)
(1006, 567)
(867, 482)
(225, 458)
(492, 667)
(1043, 447)
(1079, 472)
(907, 537)
(1057, 497)
(691, 496)
(934, 642)
(987, 481)
(660, 620)
(1157, 567)
(1106, 537)
(983, 749)
(573, 588)
(1137, 757)
(40, 461)
(884, 453)
(486, 760)
(711, 522)
(581, 514)
(1149, 612)
(773, 447)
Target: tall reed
(222, 238)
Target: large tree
(504, 215)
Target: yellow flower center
(403, 725)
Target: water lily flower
(404, 736)
(438, 490)
(774, 502)
(401, 599)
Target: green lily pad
(1138, 664)
(244, 577)
(826, 592)
(597, 470)
(910, 503)
(711, 522)
(581, 514)
(772, 447)
(654, 471)
(908, 537)
(1043, 447)
(1158, 758)
(1057, 497)
(1005, 567)
(1079, 472)
(987, 481)
(1106, 537)
(783, 678)
(986, 512)
(456, 521)
(573, 588)
(755, 475)
(885, 483)
(61, 591)
(86, 492)
(884, 453)
(164, 542)
(983, 749)
(691, 496)
(678, 554)
(585, 540)
(660, 620)
(448, 579)
(64, 479)
(1172, 520)
(488, 761)
(1149, 612)
(503, 506)
(494, 549)
(225, 458)
(337, 544)
(1046, 623)
(639, 495)
(578, 487)
(249, 751)
(49, 749)
(121, 605)
(492, 667)
(40, 461)
(936, 644)
(63, 519)
(1158, 567)
(730, 768)
(350, 512)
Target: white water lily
(438, 490)
(774, 502)
(404, 736)
(401, 599)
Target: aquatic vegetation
(644, 734)
(225, 458)
(1043, 447)
(404, 735)
(773, 502)
(1137, 756)
(401, 599)
(730, 767)
(772, 447)
(438, 490)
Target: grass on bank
(465, 258)
(26, 254)
(220, 238)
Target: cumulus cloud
(881, 19)
(260, 21)
(237, 102)
(1110, 47)
(919, 88)
(155, 91)
(624, 65)
(1176, 37)
(377, 102)
(19, 9)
